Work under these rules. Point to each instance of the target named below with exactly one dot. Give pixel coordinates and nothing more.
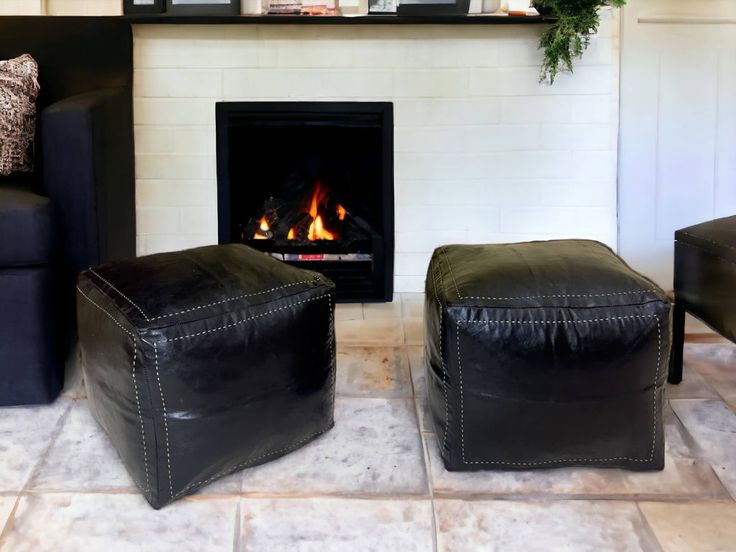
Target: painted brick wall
(483, 152)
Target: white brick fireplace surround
(483, 153)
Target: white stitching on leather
(556, 296)
(226, 326)
(166, 424)
(107, 313)
(140, 416)
(121, 294)
(566, 460)
(442, 357)
(243, 296)
(135, 386)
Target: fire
(263, 227)
(341, 212)
(292, 234)
(317, 230)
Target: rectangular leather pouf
(202, 362)
(544, 355)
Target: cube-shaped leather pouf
(202, 362)
(543, 355)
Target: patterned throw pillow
(18, 91)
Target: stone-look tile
(416, 363)
(386, 332)
(374, 448)
(693, 386)
(686, 475)
(119, 522)
(82, 457)
(349, 311)
(414, 331)
(713, 425)
(327, 525)
(541, 526)
(73, 378)
(412, 305)
(373, 372)
(25, 435)
(383, 310)
(692, 527)
(716, 362)
(7, 503)
(425, 419)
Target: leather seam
(164, 416)
(120, 293)
(555, 296)
(720, 244)
(131, 337)
(565, 460)
(238, 323)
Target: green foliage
(569, 36)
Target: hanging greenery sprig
(569, 36)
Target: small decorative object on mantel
(134, 7)
(569, 36)
(284, 7)
(143, 6)
(203, 7)
(382, 6)
(433, 7)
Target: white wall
(484, 153)
(677, 163)
(61, 7)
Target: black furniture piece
(705, 282)
(202, 362)
(543, 355)
(77, 208)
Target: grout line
(237, 535)
(647, 526)
(8, 524)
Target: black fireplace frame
(227, 112)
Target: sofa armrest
(88, 172)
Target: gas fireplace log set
(312, 185)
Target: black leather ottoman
(543, 355)
(202, 362)
(705, 278)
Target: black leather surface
(202, 362)
(544, 355)
(26, 228)
(705, 273)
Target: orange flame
(263, 227)
(341, 212)
(292, 234)
(317, 231)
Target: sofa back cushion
(18, 91)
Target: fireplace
(311, 183)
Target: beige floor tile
(335, 525)
(693, 527)
(686, 475)
(693, 386)
(378, 332)
(374, 449)
(713, 425)
(412, 305)
(578, 526)
(416, 363)
(716, 362)
(414, 331)
(25, 435)
(348, 311)
(7, 503)
(383, 310)
(82, 457)
(373, 372)
(119, 522)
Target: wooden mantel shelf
(335, 20)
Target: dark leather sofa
(705, 282)
(77, 208)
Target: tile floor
(375, 482)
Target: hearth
(311, 183)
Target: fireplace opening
(311, 183)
